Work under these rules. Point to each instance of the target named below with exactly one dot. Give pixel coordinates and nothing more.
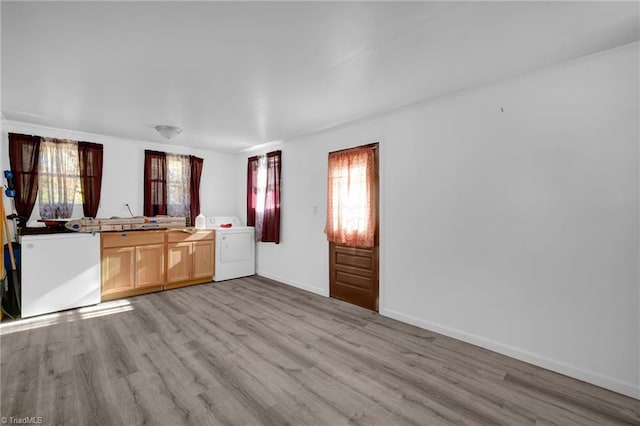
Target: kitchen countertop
(190, 230)
(63, 230)
(45, 230)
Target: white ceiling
(234, 75)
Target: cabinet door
(149, 265)
(179, 262)
(118, 267)
(203, 259)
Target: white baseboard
(312, 289)
(628, 389)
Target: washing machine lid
(217, 221)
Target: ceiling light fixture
(168, 131)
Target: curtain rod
(373, 145)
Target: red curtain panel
(155, 183)
(90, 156)
(271, 220)
(194, 187)
(24, 152)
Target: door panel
(150, 265)
(203, 263)
(354, 280)
(362, 261)
(178, 262)
(354, 275)
(118, 266)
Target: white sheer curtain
(262, 192)
(178, 181)
(58, 177)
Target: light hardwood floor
(253, 351)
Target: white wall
(123, 169)
(517, 230)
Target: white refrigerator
(59, 271)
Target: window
(58, 176)
(350, 197)
(178, 182)
(172, 184)
(59, 173)
(263, 196)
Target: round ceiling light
(168, 131)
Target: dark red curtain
(194, 186)
(271, 220)
(90, 166)
(155, 183)
(252, 190)
(24, 151)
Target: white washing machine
(235, 255)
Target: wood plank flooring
(253, 351)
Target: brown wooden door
(353, 271)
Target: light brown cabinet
(117, 270)
(189, 258)
(178, 262)
(203, 266)
(137, 262)
(149, 265)
(132, 263)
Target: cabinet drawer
(125, 239)
(179, 236)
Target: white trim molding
(625, 388)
